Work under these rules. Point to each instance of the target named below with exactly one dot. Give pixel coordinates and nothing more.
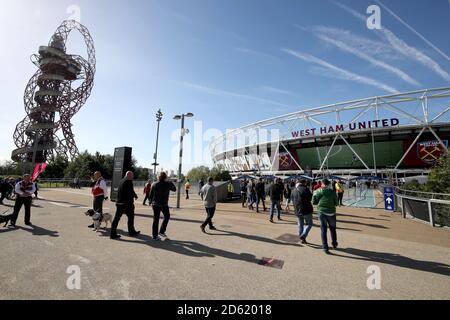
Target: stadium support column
(374, 154)
(409, 149)
(438, 139)
(275, 157)
(328, 153)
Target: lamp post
(183, 132)
(159, 117)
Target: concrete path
(413, 259)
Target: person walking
(230, 190)
(187, 187)
(317, 186)
(4, 189)
(287, 194)
(209, 193)
(301, 199)
(201, 184)
(147, 188)
(340, 192)
(251, 195)
(24, 189)
(275, 193)
(326, 201)
(99, 192)
(159, 198)
(260, 194)
(125, 204)
(36, 187)
(244, 193)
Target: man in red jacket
(99, 192)
(147, 189)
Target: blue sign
(389, 198)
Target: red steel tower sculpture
(51, 98)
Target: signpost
(389, 199)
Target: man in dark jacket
(260, 194)
(4, 189)
(244, 192)
(301, 197)
(159, 198)
(276, 192)
(125, 204)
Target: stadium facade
(389, 135)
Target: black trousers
(187, 194)
(156, 214)
(210, 215)
(121, 209)
(98, 204)
(147, 197)
(243, 198)
(340, 198)
(260, 198)
(22, 201)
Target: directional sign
(389, 199)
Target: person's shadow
(33, 229)
(228, 233)
(252, 237)
(394, 259)
(190, 248)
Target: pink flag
(38, 169)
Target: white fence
(432, 208)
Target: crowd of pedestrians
(300, 194)
(303, 196)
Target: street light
(159, 116)
(182, 134)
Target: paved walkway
(413, 258)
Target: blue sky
(230, 62)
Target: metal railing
(69, 183)
(432, 208)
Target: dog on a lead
(98, 218)
(5, 217)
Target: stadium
(388, 136)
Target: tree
(86, 164)
(219, 174)
(55, 168)
(198, 173)
(439, 179)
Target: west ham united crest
(285, 160)
(431, 151)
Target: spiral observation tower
(401, 134)
(52, 98)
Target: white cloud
(332, 70)
(401, 46)
(256, 53)
(412, 53)
(276, 90)
(329, 37)
(413, 30)
(224, 93)
(372, 47)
